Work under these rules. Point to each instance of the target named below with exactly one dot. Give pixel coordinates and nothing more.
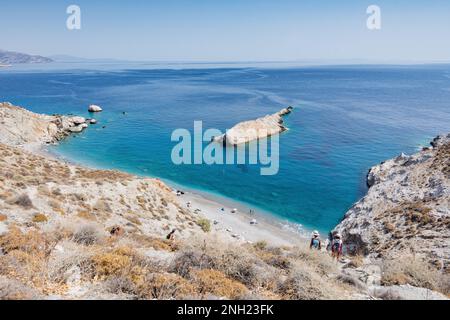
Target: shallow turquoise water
(346, 120)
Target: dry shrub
(322, 262)
(25, 255)
(165, 286)
(156, 243)
(30, 242)
(274, 257)
(22, 200)
(39, 217)
(11, 289)
(102, 206)
(217, 283)
(235, 261)
(260, 245)
(413, 271)
(74, 258)
(120, 262)
(303, 283)
(86, 215)
(87, 234)
(189, 259)
(3, 217)
(120, 285)
(205, 224)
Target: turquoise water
(346, 120)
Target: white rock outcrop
(406, 209)
(255, 129)
(94, 108)
(19, 126)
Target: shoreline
(229, 225)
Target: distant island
(9, 58)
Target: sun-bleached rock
(406, 209)
(76, 129)
(251, 130)
(77, 120)
(94, 108)
(20, 126)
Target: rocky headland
(10, 58)
(407, 208)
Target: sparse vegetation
(205, 224)
(22, 200)
(416, 272)
(39, 217)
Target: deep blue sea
(346, 119)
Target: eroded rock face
(255, 129)
(407, 207)
(19, 126)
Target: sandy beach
(229, 224)
(240, 224)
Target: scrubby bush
(413, 271)
(22, 200)
(14, 290)
(39, 217)
(87, 234)
(205, 224)
(165, 286)
(215, 282)
(189, 259)
(301, 285)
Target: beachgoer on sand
(336, 246)
(315, 243)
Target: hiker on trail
(316, 243)
(336, 246)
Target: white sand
(226, 224)
(237, 225)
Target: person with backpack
(336, 246)
(315, 243)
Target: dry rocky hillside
(407, 208)
(68, 232)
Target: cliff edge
(406, 210)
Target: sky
(230, 30)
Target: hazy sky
(230, 30)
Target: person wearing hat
(316, 243)
(336, 246)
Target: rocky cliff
(19, 126)
(407, 208)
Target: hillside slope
(69, 232)
(407, 208)
(10, 57)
